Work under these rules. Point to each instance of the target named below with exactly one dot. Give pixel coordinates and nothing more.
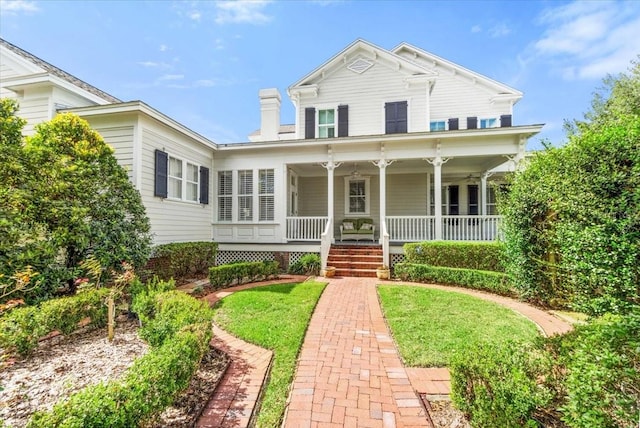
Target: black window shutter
(472, 190)
(395, 117)
(204, 185)
(161, 173)
(343, 121)
(310, 122)
(505, 120)
(453, 124)
(472, 122)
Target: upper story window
(178, 179)
(357, 196)
(395, 117)
(225, 195)
(326, 123)
(488, 123)
(437, 125)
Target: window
(265, 195)
(175, 178)
(225, 195)
(488, 123)
(437, 125)
(245, 195)
(454, 204)
(178, 179)
(432, 199)
(472, 192)
(492, 208)
(357, 195)
(395, 117)
(326, 123)
(192, 182)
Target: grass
(430, 325)
(274, 317)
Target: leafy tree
(77, 200)
(572, 217)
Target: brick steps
(355, 260)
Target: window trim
(267, 194)
(444, 122)
(248, 196)
(184, 180)
(482, 121)
(225, 196)
(367, 196)
(327, 126)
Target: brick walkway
(349, 372)
(233, 403)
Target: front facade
(400, 139)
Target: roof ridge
(59, 72)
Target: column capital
(437, 161)
(331, 165)
(382, 163)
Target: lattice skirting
(284, 258)
(396, 258)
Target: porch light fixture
(355, 173)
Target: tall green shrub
(572, 217)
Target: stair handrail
(325, 242)
(385, 244)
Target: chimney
(269, 114)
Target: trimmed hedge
(495, 282)
(241, 273)
(500, 385)
(22, 328)
(180, 328)
(180, 260)
(589, 377)
(465, 255)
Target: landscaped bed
(274, 317)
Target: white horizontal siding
(312, 196)
(34, 111)
(121, 140)
(174, 221)
(366, 94)
(406, 194)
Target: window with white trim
(225, 195)
(265, 195)
(175, 178)
(357, 195)
(491, 122)
(326, 123)
(191, 182)
(437, 125)
(245, 195)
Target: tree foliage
(572, 217)
(70, 200)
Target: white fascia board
(526, 131)
(19, 83)
(463, 70)
(141, 107)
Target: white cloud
(242, 12)
(153, 64)
(476, 29)
(171, 77)
(195, 15)
(499, 30)
(163, 48)
(13, 7)
(587, 40)
(219, 44)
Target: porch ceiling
(455, 167)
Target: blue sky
(203, 62)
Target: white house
(401, 138)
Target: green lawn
(274, 317)
(430, 325)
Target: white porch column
(483, 194)
(330, 166)
(428, 193)
(437, 163)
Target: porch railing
(454, 228)
(306, 228)
(470, 227)
(411, 228)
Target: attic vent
(360, 66)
